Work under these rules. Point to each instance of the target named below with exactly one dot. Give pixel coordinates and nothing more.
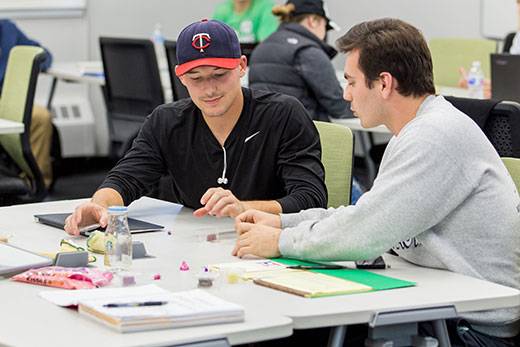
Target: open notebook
(148, 307)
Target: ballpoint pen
(136, 304)
(85, 230)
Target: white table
(438, 294)
(11, 127)
(24, 314)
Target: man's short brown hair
(393, 46)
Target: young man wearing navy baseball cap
(227, 149)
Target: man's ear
(387, 84)
(243, 65)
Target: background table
(11, 127)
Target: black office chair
(132, 88)
(179, 91)
(500, 121)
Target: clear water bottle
(476, 81)
(158, 42)
(118, 240)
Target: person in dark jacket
(226, 148)
(295, 60)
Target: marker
(136, 304)
(317, 267)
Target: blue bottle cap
(117, 209)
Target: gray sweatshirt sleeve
(419, 185)
(319, 74)
(293, 219)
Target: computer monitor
(505, 77)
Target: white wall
(76, 39)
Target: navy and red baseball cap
(207, 43)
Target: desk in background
(90, 72)
(11, 127)
(438, 295)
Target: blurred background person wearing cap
(295, 60)
(252, 19)
(227, 149)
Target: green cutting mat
(376, 281)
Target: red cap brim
(226, 63)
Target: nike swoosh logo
(251, 136)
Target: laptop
(505, 77)
(57, 220)
(14, 260)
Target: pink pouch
(68, 278)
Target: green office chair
(513, 166)
(449, 54)
(337, 151)
(16, 103)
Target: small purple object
(156, 277)
(184, 266)
(128, 280)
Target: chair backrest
(132, 80)
(500, 121)
(513, 166)
(133, 87)
(337, 151)
(16, 103)
(449, 54)
(179, 91)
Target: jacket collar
(301, 30)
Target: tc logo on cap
(201, 41)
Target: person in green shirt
(252, 19)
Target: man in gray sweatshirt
(442, 198)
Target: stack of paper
(150, 307)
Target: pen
(317, 267)
(136, 304)
(88, 228)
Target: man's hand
(255, 239)
(259, 217)
(86, 214)
(221, 203)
